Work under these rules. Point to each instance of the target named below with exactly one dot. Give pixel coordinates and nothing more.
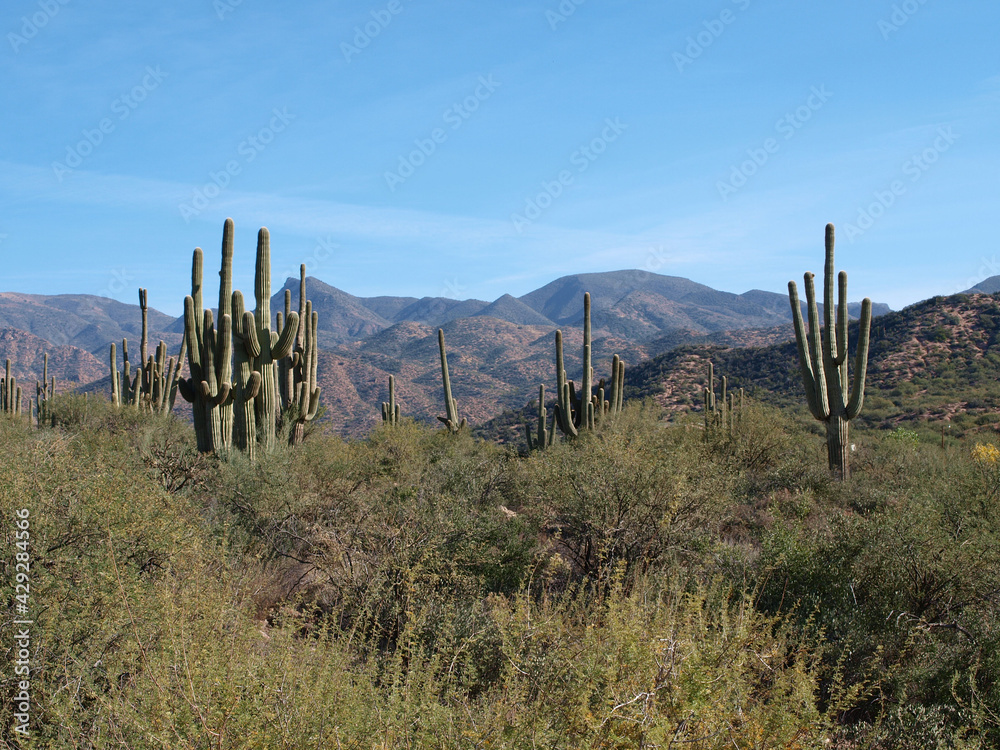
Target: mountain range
(498, 351)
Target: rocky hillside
(68, 364)
(936, 361)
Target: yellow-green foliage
(636, 588)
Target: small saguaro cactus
(44, 391)
(722, 412)
(824, 364)
(390, 409)
(544, 437)
(451, 420)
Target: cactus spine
(824, 364)
(451, 420)
(390, 409)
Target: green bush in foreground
(637, 587)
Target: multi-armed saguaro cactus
(583, 412)
(390, 409)
(297, 373)
(264, 347)
(210, 353)
(451, 419)
(246, 351)
(824, 364)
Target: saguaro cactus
(305, 407)
(575, 413)
(210, 354)
(824, 364)
(390, 409)
(44, 391)
(451, 420)
(246, 382)
(544, 437)
(723, 415)
(265, 347)
(10, 393)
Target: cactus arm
(816, 351)
(842, 318)
(226, 271)
(805, 360)
(564, 408)
(197, 276)
(282, 347)
(860, 360)
(116, 399)
(829, 308)
(187, 390)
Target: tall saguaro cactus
(574, 413)
(266, 347)
(824, 363)
(451, 420)
(210, 354)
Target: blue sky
(431, 147)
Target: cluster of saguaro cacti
(582, 412)
(824, 363)
(721, 413)
(390, 409)
(10, 393)
(543, 438)
(450, 420)
(241, 388)
(156, 380)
